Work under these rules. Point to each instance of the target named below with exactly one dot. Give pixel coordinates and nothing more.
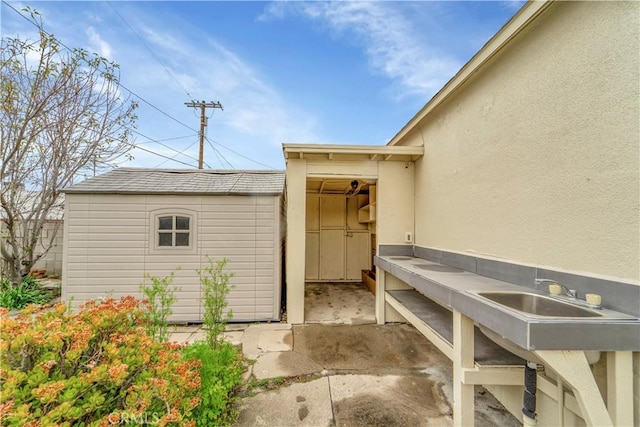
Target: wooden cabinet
(337, 242)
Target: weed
(215, 287)
(27, 292)
(159, 297)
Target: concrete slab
(389, 400)
(180, 337)
(251, 337)
(339, 304)
(199, 335)
(285, 364)
(230, 327)
(301, 404)
(185, 328)
(275, 340)
(387, 349)
(234, 337)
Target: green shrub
(27, 292)
(220, 375)
(159, 297)
(215, 288)
(98, 366)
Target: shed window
(174, 230)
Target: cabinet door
(358, 254)
(312, 256)
(332, 212)
(332, 255)
(313, 213)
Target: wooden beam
(322, 186)
(380, 296)
(463, 358)
(436, 339)
(493, 376)
(572, 367)
(330, 156)
(620, 387)
(373, 157)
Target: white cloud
(394, 46)
(98, 44)
(215, 73)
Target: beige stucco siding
(110, 247)
(535, 159)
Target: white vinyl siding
(109, 246)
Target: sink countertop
(456, 289)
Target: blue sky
(347, 72)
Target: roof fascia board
(519, 22)
(370, 151)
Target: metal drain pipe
(529, 397)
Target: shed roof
(182, 181)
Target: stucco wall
(395, 205)
(536, 158)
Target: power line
(189, 147)
(150, 51)
(242, 155)
(157, 154)
(150, 105)
(168, 147)
(168, 139)
(219, 154)
(119, 83)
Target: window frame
(155, 231)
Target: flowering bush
(96, 367)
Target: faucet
(571, 293)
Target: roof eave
(527, 14)
(336, 152)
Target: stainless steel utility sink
(537, 305)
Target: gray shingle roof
(182, 181)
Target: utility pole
(203, 105)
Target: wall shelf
(367, 213)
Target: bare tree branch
(62, 113)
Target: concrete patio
(341, 369)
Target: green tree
(62, 115)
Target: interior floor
(338, 303)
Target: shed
(130, 222)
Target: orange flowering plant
(95, 367)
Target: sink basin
(538, 305)
(439, 268)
